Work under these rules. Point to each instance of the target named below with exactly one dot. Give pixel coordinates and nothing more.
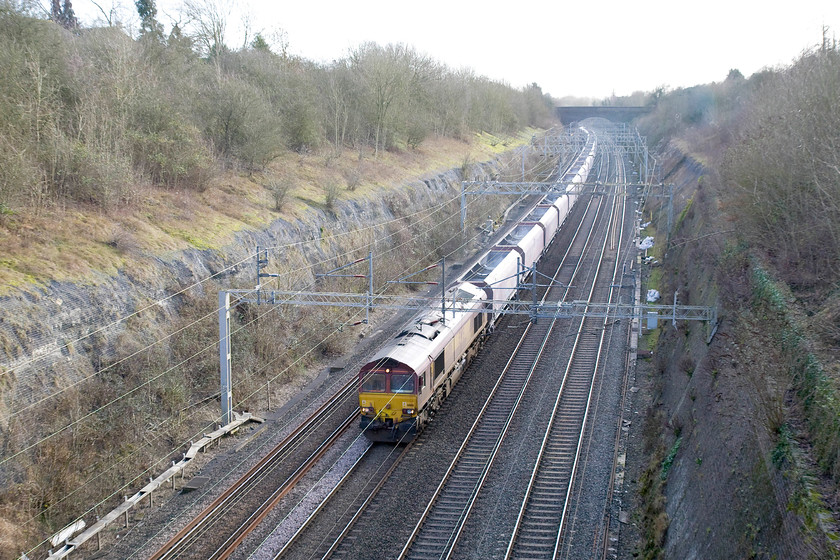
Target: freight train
(406, 381)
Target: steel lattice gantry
(533, 310)
(522, 188)
(545, 310)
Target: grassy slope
(78, 244)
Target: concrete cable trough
(71, 544)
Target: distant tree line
(95, 115)
(775, 139)
(783, 170)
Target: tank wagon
(406, 381)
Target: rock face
(55, 336)
(712, 433)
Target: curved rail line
(439, 528)
(192, 536)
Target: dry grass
(79, 244)
(167, 410)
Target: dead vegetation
(142, 405)
(756, 237)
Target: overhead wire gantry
(627, 141)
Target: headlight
(368, 410)
(408, 412)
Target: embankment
(103, 381)
(725, 467)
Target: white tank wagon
(408, 378)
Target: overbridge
(615, 114)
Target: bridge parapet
(615, 114)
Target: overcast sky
(587, 49)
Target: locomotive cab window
(402, 382)
(373, 383)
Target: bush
(301, 126)
(280, 189)
(240, 124)
(171, 153)
(18, 175)
(90, 174)
(331, 192)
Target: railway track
(439, 529)
(224, 524)
(335, 523)
(220, 527)
(540, 525)
(591, 526)
(321, 533)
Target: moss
(783, 452)
(685, 212)
(669, 459)
(11, 278)
(654, 521)
(650, 340)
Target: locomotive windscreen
(402, 382)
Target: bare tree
(384, 74)
(337, 91)
(208, 20)
(110, 16)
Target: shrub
(89, 173)
(280, 189)
(331, 192)
(167, 148)
(240, 124)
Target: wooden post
(173, 477)
(268, 392)
(125, 499)
(151, 494)
(98, 537)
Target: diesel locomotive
(406, 381)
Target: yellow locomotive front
(388, 401)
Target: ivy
(669, 460)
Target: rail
(448, 510)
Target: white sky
(568, 48)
